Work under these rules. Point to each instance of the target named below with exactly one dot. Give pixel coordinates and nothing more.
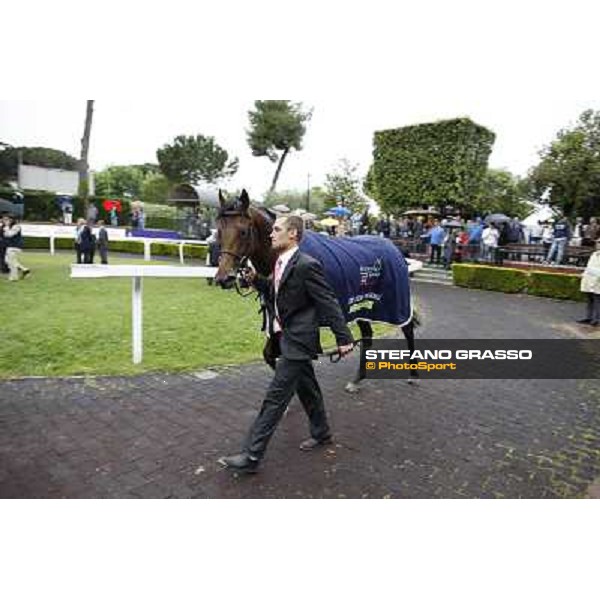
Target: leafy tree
(276, 128)
(503, 192)
(345, 185)
(191, 159)
(155, 189)
(569, 170)
(125, 180)
(36, 156)
(298, 199)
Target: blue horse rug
(368, 274)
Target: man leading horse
(299, 299)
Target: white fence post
(136, 320)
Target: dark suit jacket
(304, 301)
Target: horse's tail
(416, 318)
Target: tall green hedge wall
(431, 164)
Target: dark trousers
(436, 253)
(593, 307)
(291, 376)
(103, 255)
(3, 266)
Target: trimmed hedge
(510, 281)
(125, 246)
(555, 285)
(537, 283)
(432, 163)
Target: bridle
(241, 260)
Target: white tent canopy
(541, 212)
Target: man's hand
(345, 349)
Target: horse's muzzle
(225, 281)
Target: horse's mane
(235, 207)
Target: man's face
(282, 238)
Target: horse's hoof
(352, 388)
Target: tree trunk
(83, 161)
(278, 171)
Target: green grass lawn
(54, 325)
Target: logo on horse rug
(367, 273)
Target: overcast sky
(524, 70)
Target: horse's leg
(409, 333)
(366, 334)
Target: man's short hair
(295, 222)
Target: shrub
(125, 246)
(498, 279)
(555, 285)
(551, 285)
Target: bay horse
(244, 232)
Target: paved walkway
(157, 436)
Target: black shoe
(583, 321)
(242, 463)
(25, 273)
(311, 443)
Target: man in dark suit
(301, 300)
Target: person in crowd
(3, 266)
(77, 240)
(462, 242)
(92, 213)
(13, 240)
(489, 238)
(577, 238)
(114, 217)
(87, 244)
(356, 221)
(547, 236)
(475, 230)
(590, 285)
(436, 240)
(514, 235)
(561, 236)
(214, 251)
(102, 243)
(591, 233)
(299, 300)
(67, 210)
(535, 233)
(142, 218)
(449, 244)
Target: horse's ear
(245, 200)
(221, 198)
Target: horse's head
(236, 237)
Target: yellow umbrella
(329, 222)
